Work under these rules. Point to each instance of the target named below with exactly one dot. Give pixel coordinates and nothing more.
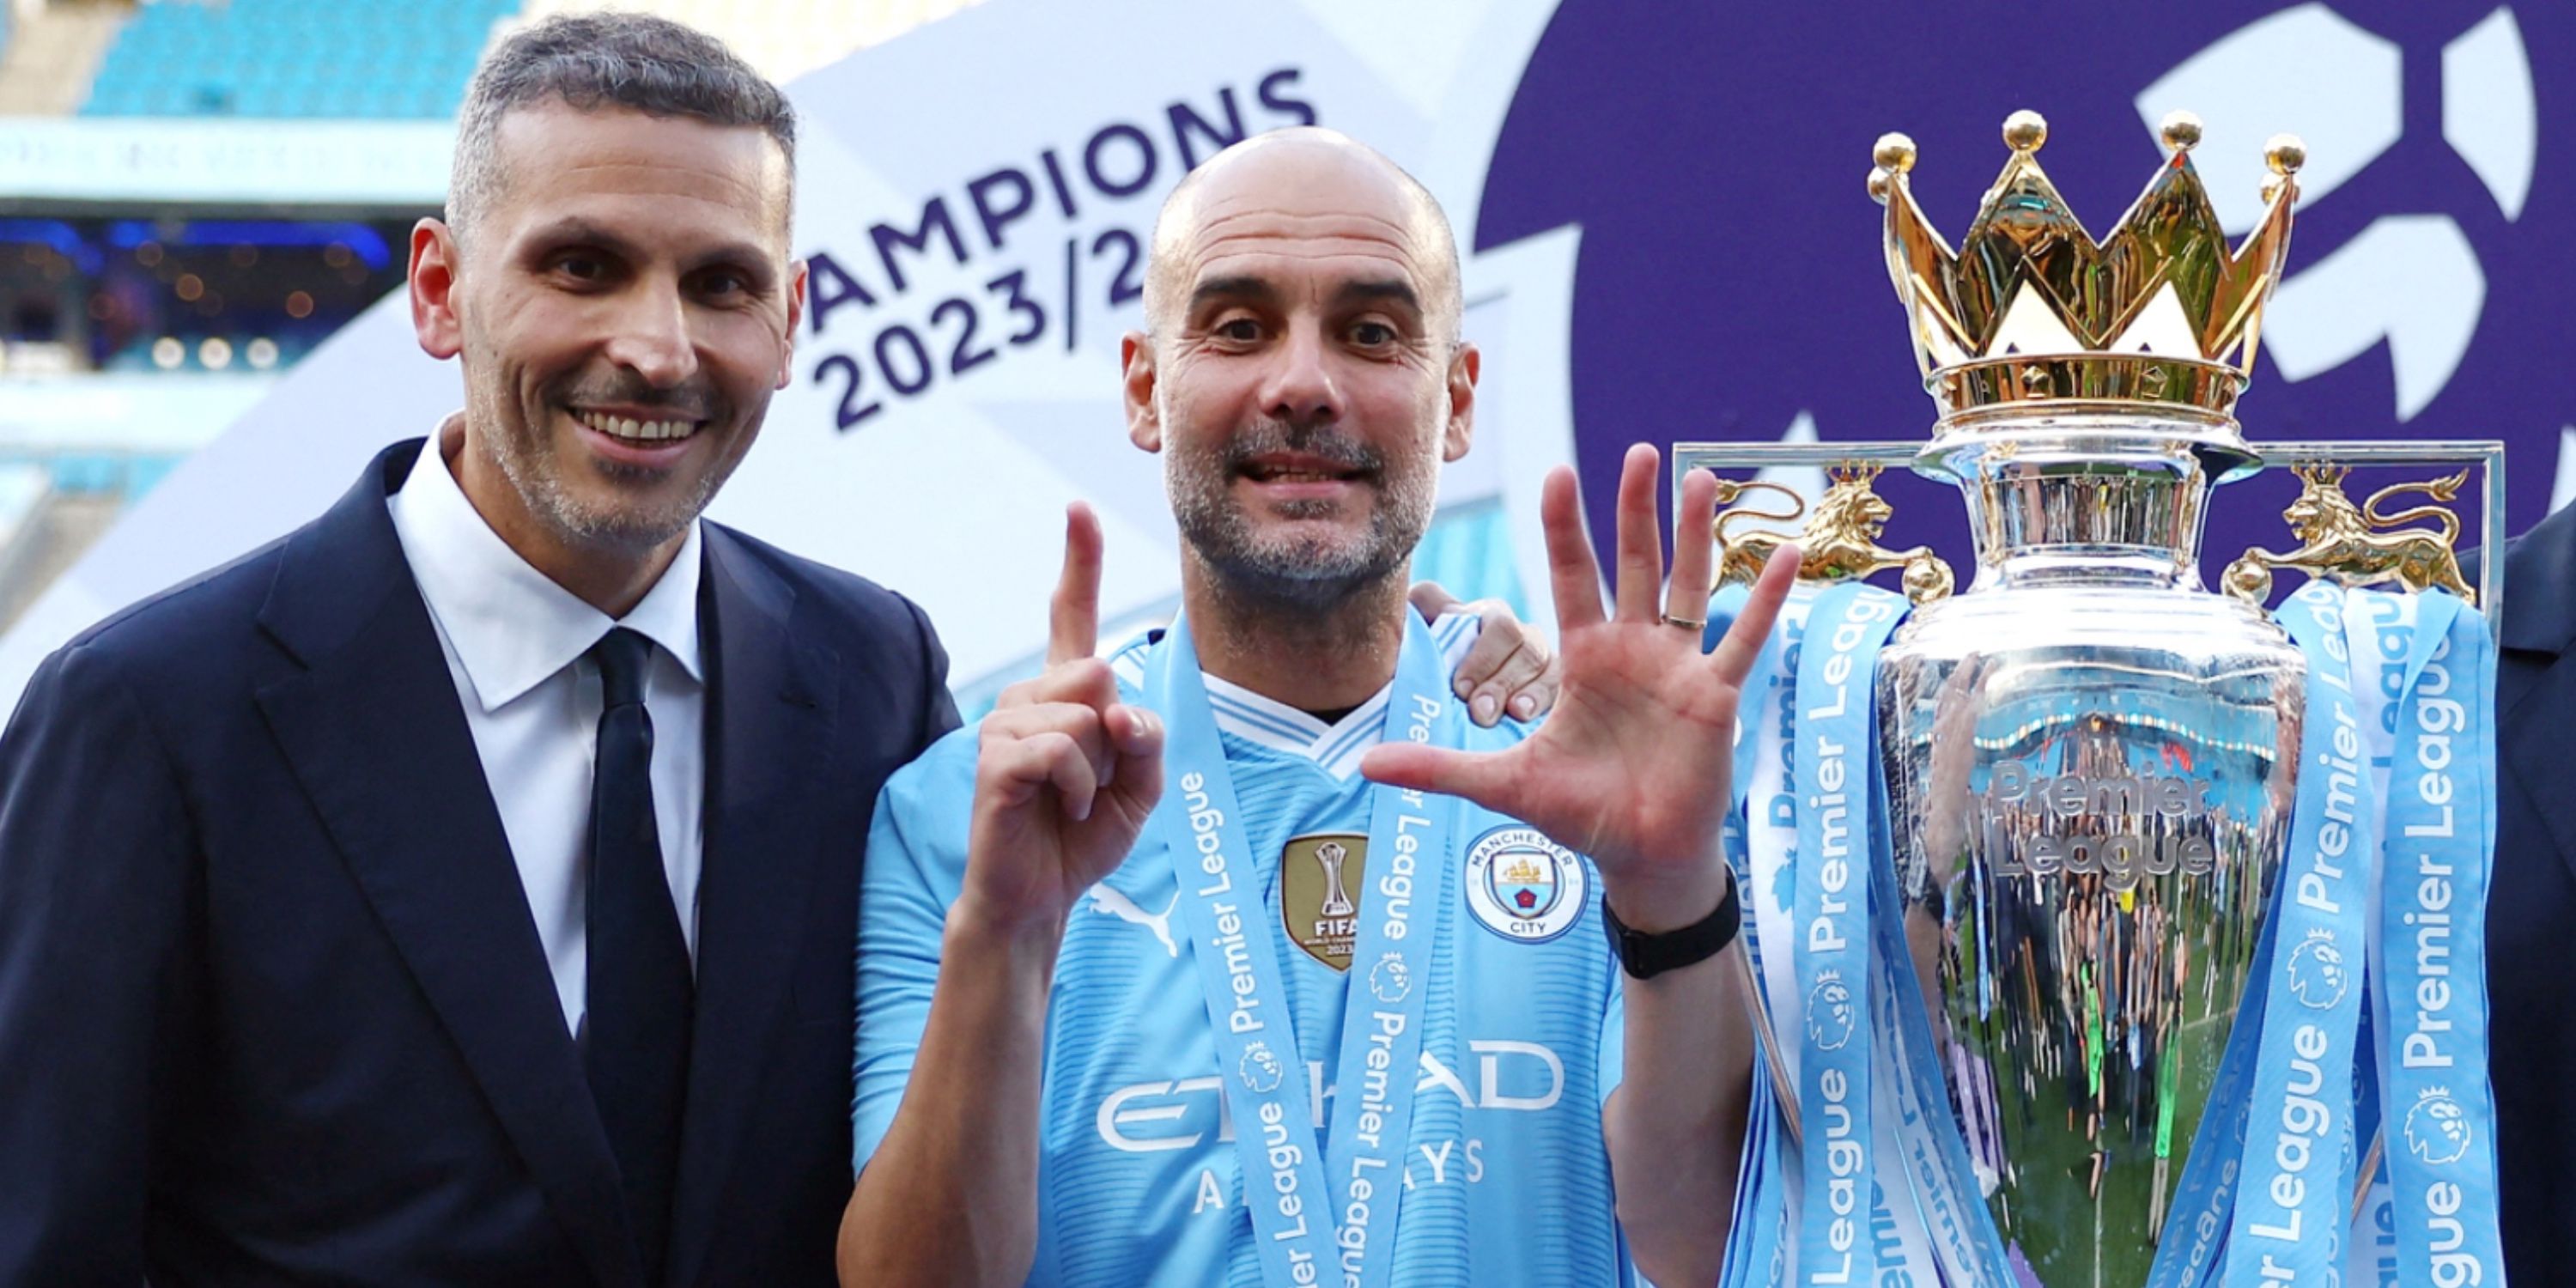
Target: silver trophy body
(2089, 807)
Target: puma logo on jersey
(1109, 899)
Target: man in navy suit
(462, 889)
(325, 955)
(2531, 909)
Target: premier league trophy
(2065, 888)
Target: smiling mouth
(1300, 470)
(628, 429)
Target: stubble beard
(524, 448)
(1298, 577)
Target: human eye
(581, 267)
(724, 284)
(1373, 334)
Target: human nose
(1301, 387)
(651, 335)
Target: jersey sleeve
(916, 862)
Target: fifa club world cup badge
(1319, 881)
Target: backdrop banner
(1666, 237)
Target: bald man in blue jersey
(1241, 957)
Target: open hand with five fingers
(1631, 767)
(1065, 773)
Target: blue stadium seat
(376, 59)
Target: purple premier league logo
(1730, 283)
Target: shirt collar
(512, 626)
(1335, 748)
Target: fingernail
(1485, 708)
(1459, 686)
(1524, 706)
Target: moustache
(1306, 438)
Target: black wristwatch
(1645, 956)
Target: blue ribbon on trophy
(2427, 948)
(2143, 871)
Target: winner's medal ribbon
(2428, 990)
(1837, 745)
(1309, 1209)
(2292, 1205)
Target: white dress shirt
(514, 642)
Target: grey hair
(603, 60)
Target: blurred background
(204, 207)
(231, 181)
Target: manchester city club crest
(2317, 973)
(1523, 886)
(1319, 887)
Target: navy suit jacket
(272, 1005)
(2531, 910)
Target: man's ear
(1144, 421)
(434, 261)
(1464, 366)
(795, 320)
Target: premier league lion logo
(1390, 980)
(2317, 974)
(2437, 1129)
(1260, 1069)
(1831, 1013)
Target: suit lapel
(770, 699)
(375, 731)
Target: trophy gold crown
(2031, 308)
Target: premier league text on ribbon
(2437, 717)
(1205, 822)
(1388, 1021)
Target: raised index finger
(1073, 617)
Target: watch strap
(1645, 956)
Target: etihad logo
(1151, 1117)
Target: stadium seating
(783, 38)
(367, 59)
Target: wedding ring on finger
(1693, 625)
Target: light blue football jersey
(1138, 1184)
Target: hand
(1632, 767)
(1066, 773)
(1509, 668)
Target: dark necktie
(637, 1034)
